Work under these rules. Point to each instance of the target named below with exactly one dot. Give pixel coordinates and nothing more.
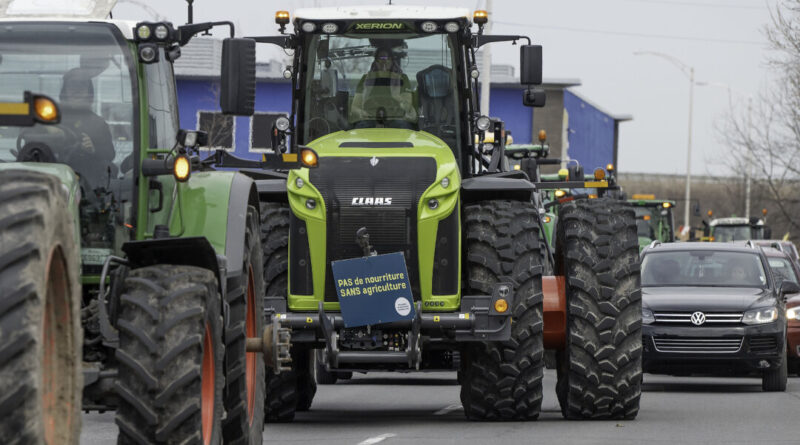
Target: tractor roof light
(282, 17)
(542, 136)
(610, 167)
(148, 53)
(483, 123)
(45, 110)
(710, 213)
(480, 17)
(646, 217)
(599, 174)
(451, 27)
(764, 212)
(666, 205)
(161, 31)
(182, 168)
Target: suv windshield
(82, 67)
(703, 268)
(381, 80)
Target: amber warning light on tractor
(282, 17)
(666, 205)
(182, 168)
(480, 17)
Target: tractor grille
(685, 318)
(393, 227)
(763, 344)
(698, 345)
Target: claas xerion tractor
(387, 97)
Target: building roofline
(616, 117)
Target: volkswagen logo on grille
(698, 318)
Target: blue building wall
(506, 103)
(590, 132)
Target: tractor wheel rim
(55, 346)
(207, 386)
(250, 357)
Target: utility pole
(486, 69)
(689, 153)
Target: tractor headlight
(451, 27)
(161, 32)
(309, 27)
(282, 123)
(429, 26)
(760, 316)
(143, 32)
(148, 53)
(330, 28)
(483, 122)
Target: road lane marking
(447, 409)
(376, 439)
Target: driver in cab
(92, 132)
(384, 97)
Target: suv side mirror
(789, 287)
(238, 77)
(530, 64)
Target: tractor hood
(383, 142)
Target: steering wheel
(66, 140)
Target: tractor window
(381, 81)
(732, 233)
(163, 111)
(83, 67)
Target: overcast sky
(594, 41)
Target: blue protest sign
(373, 289)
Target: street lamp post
(689, 72)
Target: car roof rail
(654, 244)
(750, 244)
(777, 246)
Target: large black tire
(244, 371)
(600, 371)
(503, 380)
(775, 380)
(170, 357)
(40, 325)
(291, 390)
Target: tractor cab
(654, 219)
(737, 229)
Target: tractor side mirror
(238, 77)
(533, 98)
(530, 64)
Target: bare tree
(766, 139)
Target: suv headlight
(760, 316)
(647, 316)
(793, 313)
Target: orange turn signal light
(308, 158)
(599, 174)
(501, 305)
(182, 168)
(45, 109)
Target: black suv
(713, 308)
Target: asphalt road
(416, 409)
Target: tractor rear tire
(600, 370)
(292, 390)
(170, 355)
(40, 324)
(503, 380)
(244, 371)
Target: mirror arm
(480, 40)
(186, 32)
(286, 41)
(272, 161)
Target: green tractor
(131, 270)
(736, 229)
(412, 246)
(654, 219)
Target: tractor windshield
(84, 69)
(733, 233)
(381, 81)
